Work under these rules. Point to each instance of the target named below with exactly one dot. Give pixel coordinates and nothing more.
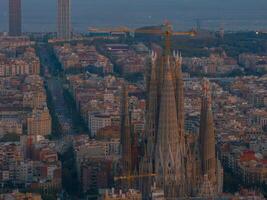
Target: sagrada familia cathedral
(184, 165)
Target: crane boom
(167, 32)
(117, 178)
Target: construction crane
(167, 32)
(131, 177)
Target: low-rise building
(131, 194)
(82, 56)
(20, 196)
(31, 163)
(96, 121)
(10, 125)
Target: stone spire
(168, 164)
(179, 94)
(184, 146)
(151, 125)
(125, 133)
(149, 139)
(207, 136)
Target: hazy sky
(40, 15)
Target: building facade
(96, 121)
(10, 125)
(39, 123)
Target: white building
(97, 121)
(157, 193)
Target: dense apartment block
(15, 195)
(216, 64)
(23, 108)
(31, 163)
(82, 56)
(26, 63)
(128, 59)
(96, 161)
(98, 101)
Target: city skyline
(147, 113)
(183, 14)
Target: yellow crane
(167, 32)
(131, 177)
(127, 180)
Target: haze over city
(40, 15)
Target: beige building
(34, 99)
(10, 125)
(253, 172)
(20, 196)
(39, 123)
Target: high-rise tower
(64, 20)
(14, 17)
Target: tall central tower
(164, 142)
(180, 161)
(64, 19)
(168, 165)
